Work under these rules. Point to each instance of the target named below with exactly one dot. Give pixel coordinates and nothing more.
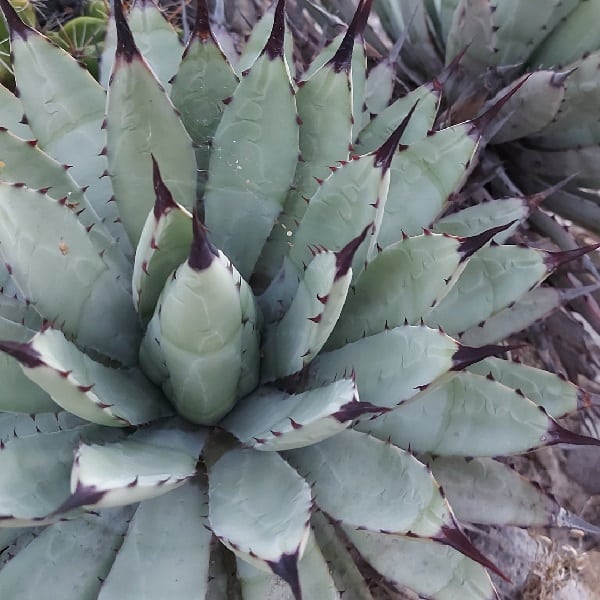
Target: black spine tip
(559, 435)
(14, 22)
(343, 258)
(24, 353)
(469, 245)
(554, 260)
(287, 568)
(202, 29)
(355, 409)
(202, 252)
(82, 496)
(126, 47)
(342, 59)
(274, 46)
(440, 81)
(386, 152)
(466, 355)
(163, 197)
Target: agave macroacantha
(233, 316)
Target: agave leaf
(426, 98)
(408, 501)
(84, 547)
(259, 507)
(422, 178)
(164, 244)
(155, 37)
(493, 278)
(557, 395)
(88, 389)
(18, 393)
(483, 490)
(315, 580)
(65, 113)
(165, 553)
(380, 84)
(470, 415)
(12, 113)
(521, 26)
(297, 338)
(345, 573)
(22, 425)
(51, 240)
(34, 476)
(204, 81)
(269, 419)
(401, 284)
(576, 123)
(428, 568)
(125, 472)
(140, 122)
(358, 73)
(390, 365)
(324, 55)
(252, 321)
(254, 155)
(20, 312)
(533, 107)
(571, 38)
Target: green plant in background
(216, 307)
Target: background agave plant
(214, 242)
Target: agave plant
(234, 363)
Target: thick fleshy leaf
(126, 472)
(259, 507)
(313, 571)
(254, 155)
(269, 419)
(12, 113)
(140, 122)
(58, 268)
(21, 425)
(84, 549)
(397, 493)
(165, 553)
(84, 387)
(430, 569)
(470, 415)
(297, 338)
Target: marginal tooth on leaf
(558, 79)
(15, 25)
(559, 435)
(126, 47)
(343, 258)
(342, 59)
(274, 46)
(554, 260)
(469, 245)
(202, 252)
(24, 353)
(456, 539)
(287, 568)
(466, 355)
(164, 199)
(386, 152)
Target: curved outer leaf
(401, 283)
(272, 420)
(12, 113)
(390, 365)
(204, 81)
(315, 580)
(124, 473)
(493, 278)
(324, 55)
(470, 415)
(84, 547)
(18, 393)
(65, 113)
(383, 125)
(140, 122)
(380, 86)
(88, 389)
(55, 244)
(254, 155)
(21, 425)
(155, 37)
(557, 395)
(430, 569)
(482, 490)
(259, 507)
(422, 179)
(397, 494)
(165, 553)
(164, 244)
(297, 338)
